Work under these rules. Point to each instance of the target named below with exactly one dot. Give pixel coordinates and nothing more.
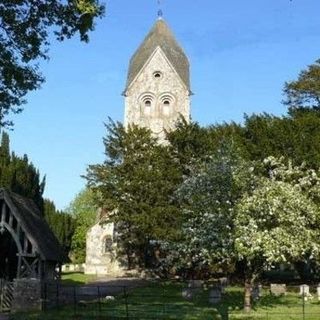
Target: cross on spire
(160, 12)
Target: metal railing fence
(170, 301)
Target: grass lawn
(164, 301)
(76, 278)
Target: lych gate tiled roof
(160, 36)
(34, 225)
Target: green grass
(76, 278)
(164, 301)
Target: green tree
(192, 143)
(295, 136)
(24, 38)
(305, 91)
(83, 210)
(61, 223)
(19, 175)
(136, 183)
(189, 143)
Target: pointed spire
(161, 36)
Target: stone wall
(98, 261)
(26, 295)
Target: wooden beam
(25, 243)
(19, 266)
(27, 255)
(10, 220)
(3, 211)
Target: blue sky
(241, 53)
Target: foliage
(24, 38)
(295, 137)
(207, 198)
(83, 210)
(266, 135)
(136, 183)
(305, 91)
(61, 223)
(19, 175)
(278, 221)
(192, 143)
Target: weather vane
(160, 12)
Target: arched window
(146, 103)
(166, 102)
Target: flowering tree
(207, 199)
(278, 221)
(258, 214)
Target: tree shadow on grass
(233, 301)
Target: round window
(157, 74)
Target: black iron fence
(175, 301)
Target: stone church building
(157, 94)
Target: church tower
(157, 94)
(158, 91)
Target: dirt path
(100, 288)
(120, 282)
(111, 286)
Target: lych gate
(17, 254)
(28, 248)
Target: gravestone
(318, 292)
(187, 293)
(195, 284)
(256, 292)
(223, 283)
(304, 290)
(278, 289)
(215, 295)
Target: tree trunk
(247, 295)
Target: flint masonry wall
(158, 116)
(98, 261)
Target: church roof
(34, 225)
(160, 36)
